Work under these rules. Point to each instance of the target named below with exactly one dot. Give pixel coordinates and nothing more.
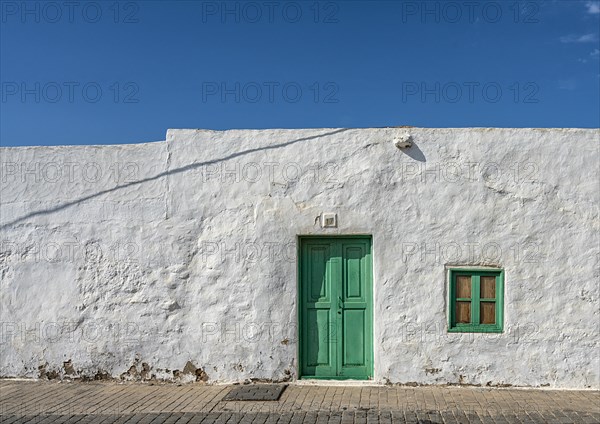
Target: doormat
(256, 392)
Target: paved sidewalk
(68, 402)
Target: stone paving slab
(255, 392)
(85, 403)
(339, 417)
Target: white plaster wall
(185, 250)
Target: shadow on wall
(414, 152)
(163, 174)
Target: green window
(476, 301)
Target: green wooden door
(336, 308)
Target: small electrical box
(328, 220)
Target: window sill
(469, 329)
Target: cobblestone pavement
(95, 403)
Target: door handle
(340, 305)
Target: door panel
(355, 318)
(319, 324)
(318, 287)
(319, 328)
(353, 353)
(335, 308)
(353, 256)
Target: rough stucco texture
(185, 250)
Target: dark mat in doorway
(256, 392)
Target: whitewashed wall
(185, 250)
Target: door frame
(299, 240)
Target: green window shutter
(477, 307)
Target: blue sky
(96, 72)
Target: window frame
(474, 326)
